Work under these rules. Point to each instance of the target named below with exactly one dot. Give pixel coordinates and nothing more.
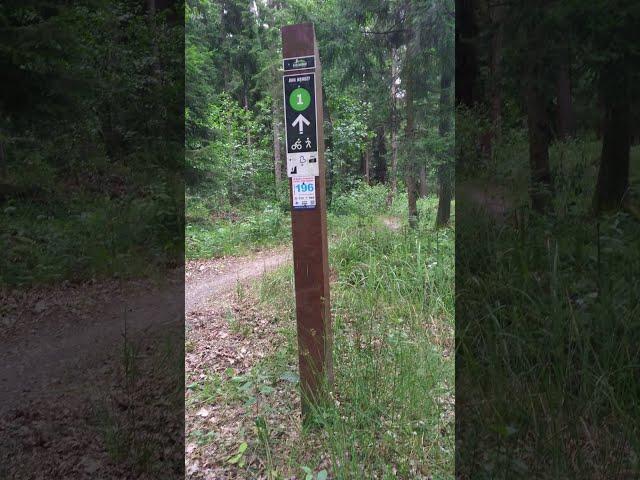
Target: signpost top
(300, 40)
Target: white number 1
(299, 99)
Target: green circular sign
(299, 99)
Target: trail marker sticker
(303, 191)
(302, 124)
(297, 63)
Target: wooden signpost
(302, 86)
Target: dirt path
(393, 223)
(54, 337)
(61, 362)
(205, 279)
(231, 332)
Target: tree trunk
(380, 156)
(444, 128)
(410, 180)
(566, 121)
(3, 160)
(367, 163)
(395, 67)
(541, 185)
(444, 195)
(246, 109)
(538, 125)
(466, 55)
(423, 181)
(613, 175)
(410, 173)
(277, 160)
(497, 14)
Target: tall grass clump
(548, 334)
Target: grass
(85, 237)
(212, 233)
(392, 414)
(141, 417)
(208, 235)
(393, 305)
(547, 334)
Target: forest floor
(242, 401)
(218, 299)
(64, 382)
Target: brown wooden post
(302, 84)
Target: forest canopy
(388, 97)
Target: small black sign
(298, 63)
(300, 113)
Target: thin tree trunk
(541, 185)
(277, 160)
(380, 156)
(395, 67)
(423, 181)
(565, 108)
(497, 14)
(412, 190)
(246, 109)
(538, 126)
(367, 165)
(613, 175)
(466, 55)
(444, 195)
(444, 128)
(410, 174)
(3, 160)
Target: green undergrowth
(574, 165)
(210, 233)
(548, 332)
(213, 232)
(549, 335)
(86, 236)
(392, 411)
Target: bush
(363, 201)
(232, 232)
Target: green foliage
(234, 107)
(210, 233)
(86, 238)
(363, 202)
(545, 299)
(542, 312)
(350, 135)
(90, 180)
(229, 166)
